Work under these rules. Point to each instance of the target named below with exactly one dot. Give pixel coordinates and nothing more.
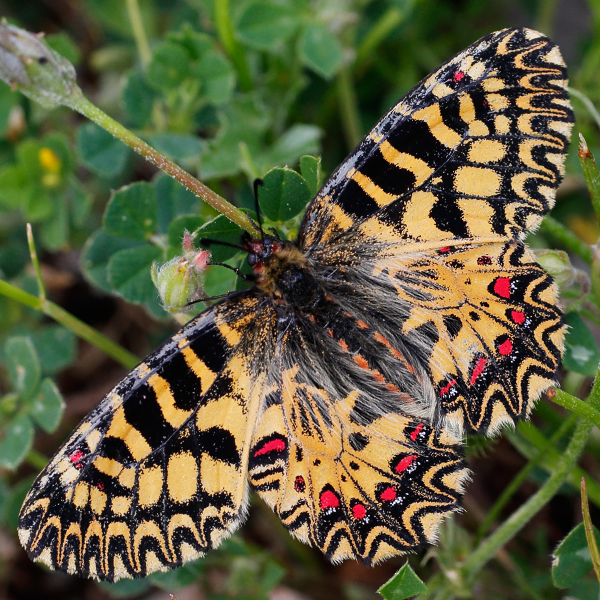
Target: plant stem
(85, 107)
(532, 439)
(232, 47)
(387, 23)
(566, 461)
(566, 238)
(79, 328)
(36, 264)
(137, 26)
(520, 477)
(349, 107)
(590, 173)
(587, 103)
(36, 459)
(589, 530)
(576, 405)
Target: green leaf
(132, 212)
(11, 507)
(129, 273)
(55, 346)
(39, 205)
(14, 254)
(64, 45)
(222, 229)
(80, 202)
(17, 442)
(217, 76)
(15, 189)
(48, 406)
(581, 354)
(265, 25)
(404, 584)
(296, 141)
(138, 99)
(310, 167)
(219, 280)
(23, 364)
(169, 66)
(100, 152)
(173, 201)
(320, 51)
(54, 231)
(178, 146)
(97, 251)
(572, 560)
(284, 194)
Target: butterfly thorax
(282, 272)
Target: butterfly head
(281, 270)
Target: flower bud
(29, 65)
(179, 281)
(558, 264)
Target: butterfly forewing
(473, 152)
(156, 475)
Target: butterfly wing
(355, 482)
(438, 198)
(155, 476)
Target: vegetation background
(229, 90)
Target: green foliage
(404, 584)
(32, 398)
(571, 559)
(254, 92)
(581, 353)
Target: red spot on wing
(299, 484)
(484, 260)
(502, 287)
(329, 500)
(359, 511)
(447, 387)
(458, 76)
(272, 446)
(388, 494)
(517, 316)
(444, 249)
(478, 370)
(100, 486)
(416, 432)
(505, 348)
(76, 456)
(405, 463)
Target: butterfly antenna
(244, 276)
(258, 183)
(208, 299)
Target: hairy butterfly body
(408, 311)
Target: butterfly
(408, 312)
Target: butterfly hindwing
(350, 478)
(352, 484)
(156, 475)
